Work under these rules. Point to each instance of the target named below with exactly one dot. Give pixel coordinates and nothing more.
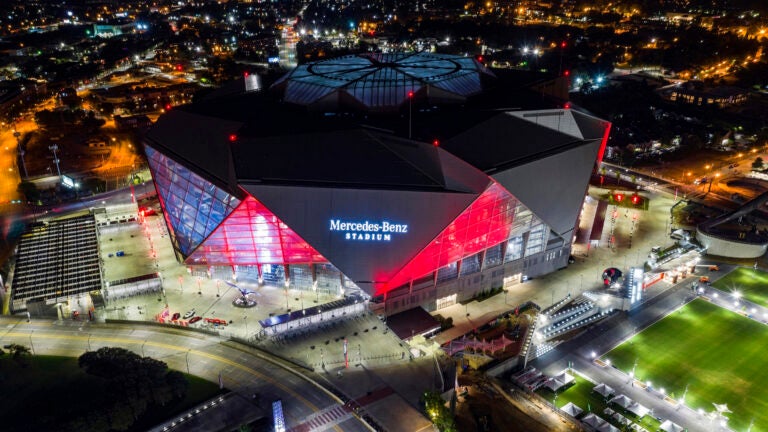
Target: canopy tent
(477, 345)
(622, 401)
(668, 426)
(557, 382)
(607, 427)
(564, 377)
(603, 389)
(592, 420)
(621, 419)
(571, 409)
(637, 409)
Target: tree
(437, 412)
(136, 383)
(19, 353)
(758, 163)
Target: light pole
(410, 112)
(31, 345)
(188, 360)
(712, 180)
(56, 160)
(17, 135)
(142, 347)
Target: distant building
(108, 30)
(128, 123)
(695, 93)
(15, 94)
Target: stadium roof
(382, 81)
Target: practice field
(581, 395)
(717, 353)
(751, 284)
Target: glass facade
(193, 207)
(488, 221)
(253, 235)
(213, 228)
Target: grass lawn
(53, 388)
(752, 284)
(718, 354)
(580, 394)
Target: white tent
(553, 384)
(607, 427)
(637, 409)
(565, 378)
(622, 401)
(668, 426)
(603, 389)
(592, 420)
(571, 409)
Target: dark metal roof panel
(347, 158)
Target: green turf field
(719, 354)
(580, 394)
(752, 284)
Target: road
(242, 369)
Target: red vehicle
(147, 211)
(195, 319)
(218, 321)
(175, 316)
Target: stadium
(404, 177)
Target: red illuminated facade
(252, 235)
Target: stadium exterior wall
(730, 248)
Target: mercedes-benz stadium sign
(368, 231)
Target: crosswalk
(324, 420)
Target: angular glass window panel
(478, 227)
(470, 264)
(253, 235)
(514, 249)
(188, 201)
(451, 271)
(493, 256)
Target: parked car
(189, 314)
(195, 319)
(175, 316)
(218, 321)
